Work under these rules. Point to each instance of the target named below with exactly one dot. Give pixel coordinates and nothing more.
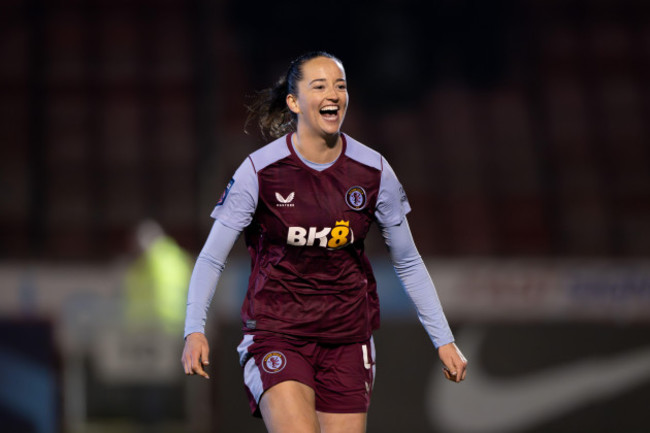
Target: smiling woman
(279, 108)
(305, 203)
(320, 104)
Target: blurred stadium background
(521, 133)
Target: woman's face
(322, 99)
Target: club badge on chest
(356, 198)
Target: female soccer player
(305, 203)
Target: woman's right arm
(233, 212)
(207, 270)
(203, 283)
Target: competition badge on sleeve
(222, 199)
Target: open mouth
(330, 112)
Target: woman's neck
(318, 149)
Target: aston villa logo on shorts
(274, 362)
(356, 198)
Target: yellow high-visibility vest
(156, 286)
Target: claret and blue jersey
(305, 228)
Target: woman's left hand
(453, 361)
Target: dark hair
(269, 106)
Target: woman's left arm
(417, 284)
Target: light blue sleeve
(206, 273)
(233, 212)
(416, 281)
(238, 202)
(392, 203)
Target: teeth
(329, 109)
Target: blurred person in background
(156, 283)
(305, 203)
(138, 355)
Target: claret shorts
(342, 375)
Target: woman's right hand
(195, 354)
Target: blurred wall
(516, 127)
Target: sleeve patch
(222, 199)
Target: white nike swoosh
(486, 404)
